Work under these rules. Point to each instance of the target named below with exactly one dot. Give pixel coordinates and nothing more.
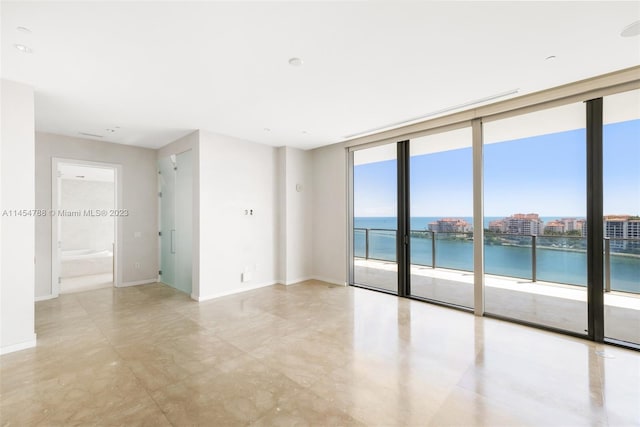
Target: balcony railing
(549, 258)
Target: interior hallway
(310, 353)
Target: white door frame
(55, 223)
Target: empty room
(223, 213)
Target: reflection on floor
(85, 283)
(305, 354)
(549, 304)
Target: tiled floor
(308, 354)
(86, 283)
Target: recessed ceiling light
(631, 30)
(23, 29)
(295, 62)
(79, 176)
(266, 130)
(305, 132)
(22, 48)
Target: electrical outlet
(137, 265)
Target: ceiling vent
(93, 135)
(631, 30)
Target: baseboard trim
(331, 281)
(20, 346)
(232, 292)
(136, 283)
(45, 297)
(293, 282)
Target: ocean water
(564, 263)
(422, 222)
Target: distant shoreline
(551, 248)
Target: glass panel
(375, 221)
(167, 220)
(621, 208)
(441, 185)
(184, 210)
(535, 207)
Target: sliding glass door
(621, 222)
(556, 192)
(375, 219)
(535, 212)
(441, 206)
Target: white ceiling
(619, 107)
(159, 70)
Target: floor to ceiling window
(556, 197)
(535, 209)
(375, 219)
(621, 222)
(441, 207)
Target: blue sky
(544, 174)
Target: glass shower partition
(176, 212)
(167, 195)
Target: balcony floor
(550, 304)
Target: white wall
(329, 228)
(292, 235)
(190, 142)
(275, 244)
(139, 183)
(298, 214)
(235, 176)
(16, 192)
(87, 232)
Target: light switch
(137, 234)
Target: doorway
(84, 225)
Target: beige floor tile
(87, 395)
(237, 397)
(304, 408)
(465, 408)
(305, 354)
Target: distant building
(614, 227)
(633, 228)
(582, 226)
(557, 226)
(525, 224)
(618, 227)
(450, 225)
(498, 226)
(573, 226)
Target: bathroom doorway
(84, 225)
